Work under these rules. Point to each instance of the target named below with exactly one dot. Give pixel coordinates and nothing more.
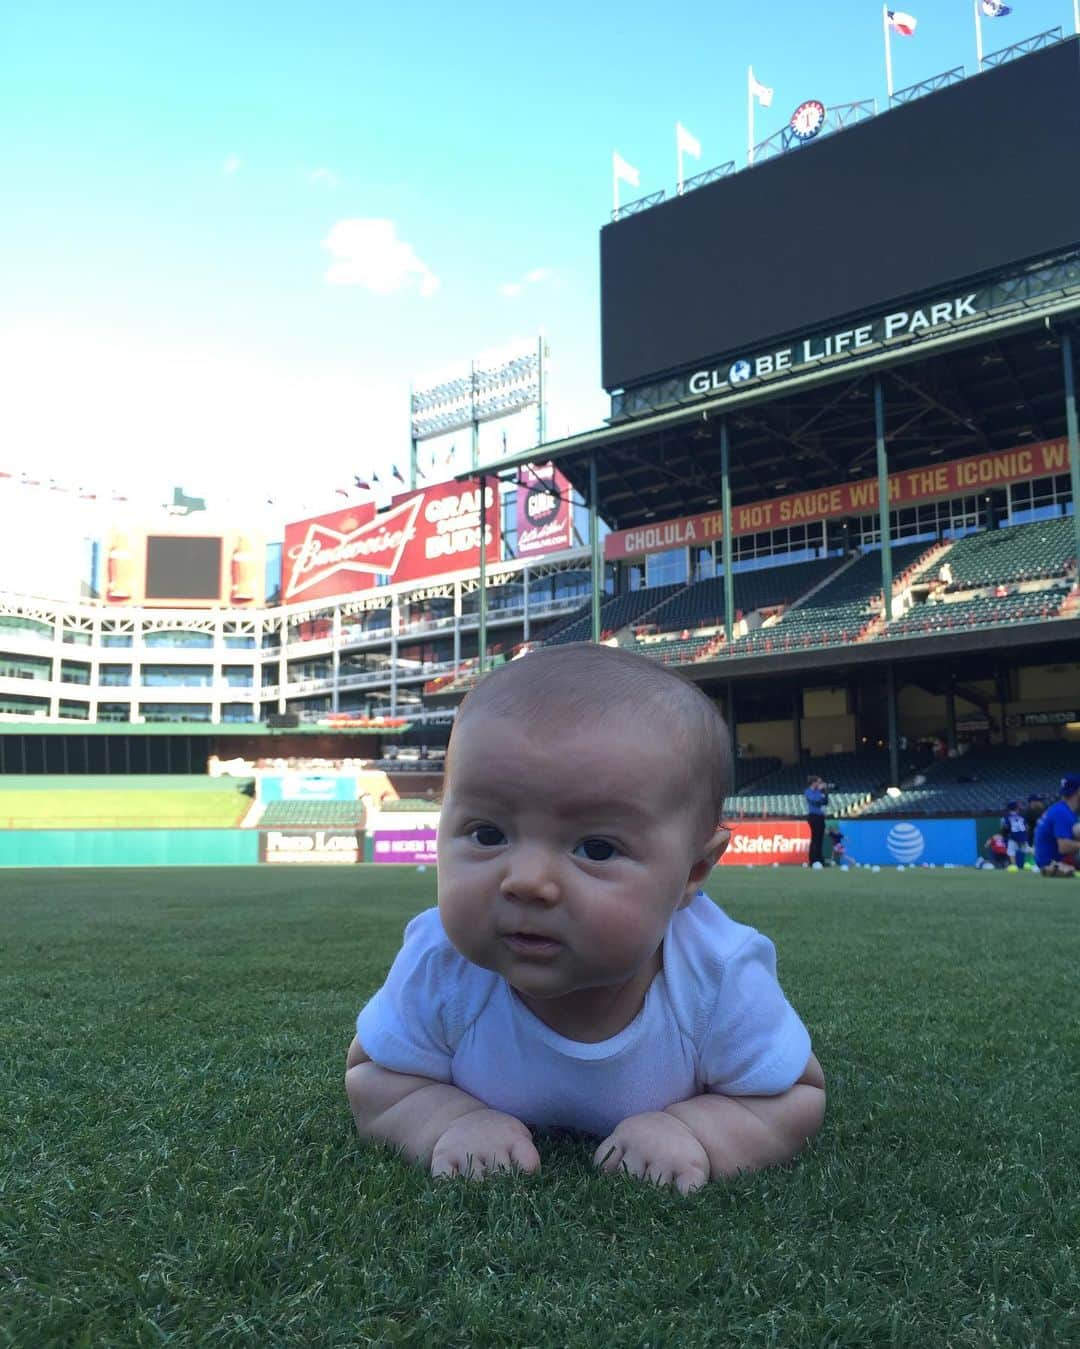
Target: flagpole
(614, 188)
(888, 51)
(1076, 15)
(978, 39)
(678, 154)
(750, 113)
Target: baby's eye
(487, 836)
(596, 849)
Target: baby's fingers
(524, 1156)
(608, 1156)
(691, 1178)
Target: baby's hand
(656, 1147)
(483, 1141)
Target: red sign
(851, 498)
(543, 511)
(760, 843)
(432, 532)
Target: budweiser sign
(433, 532)
(364, 550)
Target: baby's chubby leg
(434, 1123)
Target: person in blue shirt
(817, 799)
(1057, 835)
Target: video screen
(183, 568)
(955, 184)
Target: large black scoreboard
(968, 181)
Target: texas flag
(899, 22)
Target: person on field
(1057, 835)
(840, 856)
(1036, 804)
(998, 847)
(817, 800)
(574, 974)
(1014, 831)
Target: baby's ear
(712, 852)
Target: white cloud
(324, 175)
(512, 289)
(230, 165)
(368, 253)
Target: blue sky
(233, 232)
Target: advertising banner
(306, 787)
(909, 487)
(544, 523)
(433, 532)
(404, 845)
(760, 843)
(311, 846)
(910, 842)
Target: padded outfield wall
(128, 847)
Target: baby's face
(563, 855)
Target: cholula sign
(852, 498)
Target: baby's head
(584, 790)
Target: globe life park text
(901, 323)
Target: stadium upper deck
(738, 442)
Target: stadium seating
(1007, 556)
(935, 617)
(749, 770)
(837, 613)
(982, 781)
(702, 604)
(674, 650)
(615, 613)
(780, 793)
(311, 814)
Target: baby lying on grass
(574, 975)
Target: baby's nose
(530, 875)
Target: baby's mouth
(531, 941)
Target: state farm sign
(428, 533)
(762, 842)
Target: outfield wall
(128, 847)
(910, 842)
(408, 837)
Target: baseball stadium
(837, 491)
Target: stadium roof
(989, 386)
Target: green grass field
(177, 1162)
(120, 809)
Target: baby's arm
(710, 1135)
(432, 1122)
(745, 1133)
